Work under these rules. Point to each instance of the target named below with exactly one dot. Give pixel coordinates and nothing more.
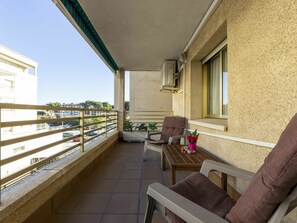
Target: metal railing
(33, 136)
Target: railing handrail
(103, 121)
(47, 107)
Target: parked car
(70, 134)
(77, 139)
(92, 133)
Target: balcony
(260, 38)
(115, 190)
(61, 179)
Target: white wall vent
(168, 75)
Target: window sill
(217, 124)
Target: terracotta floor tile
(123, 203)
(128, 186)
(56, 218)
(151, 165)
(157, 218)
(79, 218)
(116, 189)
(151, 174)
(92, 203)
(75, 218)
(135, 158)
(69, 204)
(143, 203)
(111, 174)
(97, 186)
(119, 218)
(131, 174)
(133, 166)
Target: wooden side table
(179, 161)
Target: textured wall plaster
(262, 55)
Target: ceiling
(136, 35)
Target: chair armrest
(153, 133)
(209, 165)
(171, 138)
(155, 141)
(182, 207)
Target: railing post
(0, 153)
(105, 124)
(118, 124)
(82, 143)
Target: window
(215, 84)
(18, 149)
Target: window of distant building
(18, 149)
(215, 83)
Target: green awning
(82, 20)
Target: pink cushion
(173, 126)
(272, 182)
(199, 189)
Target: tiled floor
(116, 190)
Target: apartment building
(18, 85)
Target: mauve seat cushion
(272, 183)
(173, 126)
(199, 189)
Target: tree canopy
(86, 104)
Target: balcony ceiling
(136, 34)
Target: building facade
(240, 80)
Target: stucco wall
(145, 94)
(262, 55)
(147, 102)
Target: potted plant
(152, 126)
(141, 127)
(132, 133)
(128, 126)
(192, 138)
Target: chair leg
(149, 210)
(144, 151)
(163, 160)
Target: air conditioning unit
(168, 75)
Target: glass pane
(214, 86)
(225, 81)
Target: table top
(177, 158)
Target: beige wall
(262, 55)
(178, 96)
(119, 97)
(147, 102)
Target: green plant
(128, 126)
(193, 136)
(152, 126)
(141, 127)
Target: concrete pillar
(119, 97)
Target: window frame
(205, 80)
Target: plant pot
(134, 136)
(192, 147)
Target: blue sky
(69, 70)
